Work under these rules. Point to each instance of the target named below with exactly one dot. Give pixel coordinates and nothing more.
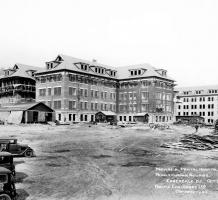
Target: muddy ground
(104, 162)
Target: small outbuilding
(105, 116)
(27, 113)
(141, 117)
(190, 119)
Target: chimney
(94, 60)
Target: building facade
(197, 101)
(77, 89)
(17, 84)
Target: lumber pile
(196, 142)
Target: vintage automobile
(6, 160)
(16, 149)
(7, 186)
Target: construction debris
(190, 142)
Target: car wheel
(5, 197)
(28, 153)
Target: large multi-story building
(197, 101)
(17, 84)
(77, 89)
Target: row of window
(49, 78)
(72, 91)
(163, 118)
(136, 72)
(144, 95)
(96, 69)
(57, 91)
(83, 105)
(72, 117)
(210, 91)
(194, 99)
(163, 96)
(195, 113)
(90, 81)
(201, 106)
(145, 84)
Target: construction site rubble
(196, 142)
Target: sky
(180, 36)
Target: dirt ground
(104, 162)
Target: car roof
(3, 153)
(4, 170)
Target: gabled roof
(193, 88)
(107, 113)
(21, 70)
(68, 62)
(140, 114)
(150, 71)
(23, 107)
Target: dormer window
(96, 69)
(139, 72)
(135, 72)
(7, 73)
(131, 73)
(49, 65)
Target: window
(92, 106)
(96, 106)
(72, 105)
(92, 93)
(81, 92)
(59, 117)
(70, 117)
(49, 104)
(72, 91)
(169, 97)
(96, 94)
(42, 92)
(85, 105)
(158, 95)
(124, 118)
(49, 91)
(144, 95)
(85, 93)
(121, 118)
(81, 106)
(57, 91)
(86, 117)
(57, 104)
(130, 118)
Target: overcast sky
(178, 35)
